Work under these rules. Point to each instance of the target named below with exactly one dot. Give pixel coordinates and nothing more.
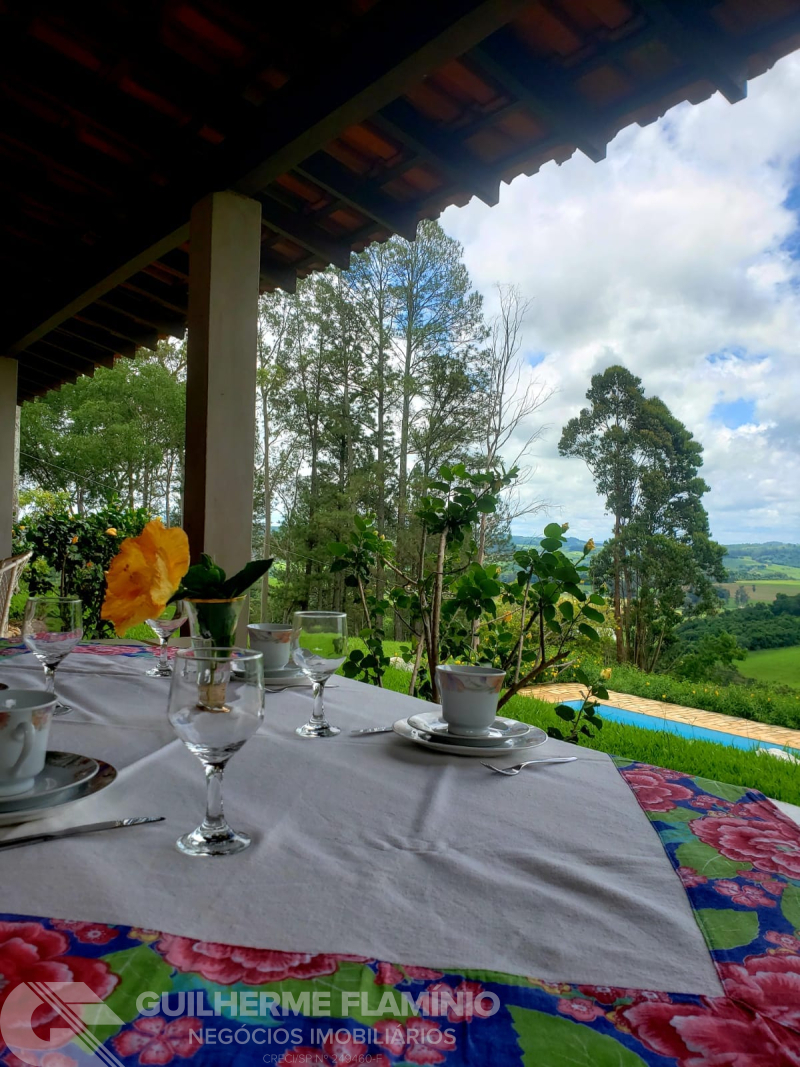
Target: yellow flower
(564, 527)
(663, 696)
(605, 674)
(589, 546)
(74, 541)
(144, 574)
(112, 531)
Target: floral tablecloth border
(736, 854)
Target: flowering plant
(152, 570)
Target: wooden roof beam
(543, 89)
(442, 149)
(691, 32)
(360, 193)
(141, 311)
(302, 230)
(172, 297)
(99, 340)
(273, 275)
(114, 327)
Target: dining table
(397, 905)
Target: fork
(511, 771)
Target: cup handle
(25, 733)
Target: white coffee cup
(25, 716)
(469, 697)
(272, 639)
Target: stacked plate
(66, 779)
(505, 735)
(288, 675)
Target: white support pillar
(225, 235)
(9, 455)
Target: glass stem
(50, 679)
(318, 715)
(215, 816)
(162, 654)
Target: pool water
(682, 729)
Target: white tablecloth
(369, 845)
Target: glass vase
(213, 622)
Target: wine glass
(214, 712)
(319, 648)
(164, 625)
(52, 627)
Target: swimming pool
(681, 729)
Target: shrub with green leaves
(71, 554)
(461, 610)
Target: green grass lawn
(764, 592)
(780, 665)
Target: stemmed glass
(163, 626)
(52, 627)
(214, 712)
(319, 648)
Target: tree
(661, 562)
(741, 598)
(509, 400)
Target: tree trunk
(267, 506)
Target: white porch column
(9, 421)
(225, 236)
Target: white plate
(431, 722)
(289, 671)
(104, 777)
(514, 744)
(64, 773)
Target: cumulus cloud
(678, 256)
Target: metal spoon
(511, 771)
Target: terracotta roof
(348, 120)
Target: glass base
(221, 843)
(311, 729)
(157, 672)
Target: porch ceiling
(349, 121)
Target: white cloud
(668, 252)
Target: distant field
(764, 591)
(781, 665)
(763, 569)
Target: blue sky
(678, 256)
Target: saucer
(531, 739)
(431, 722)
(50, 805)
(64, 773)
(289, 675)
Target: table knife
(372, 730)
(90, 828)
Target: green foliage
(661, 562)
(780, 666)
(461, 610)
(583, 721)
(207, 581)
(775, 625)
(71, 554)
(707, 656)
(751, 700)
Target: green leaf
(553, 1041)
(677, 815)
(487, 505)
(565, 713)
(336, 548)
(243, 579)
(139, 969)
(593, 614)
(790, 905)
(587, 631)
(567, 610)
(445, 473)
(582, 677)
(724, 790)
(552, 530)
(725, 928)
(706, 860)
(359, 523)
(551, 544)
